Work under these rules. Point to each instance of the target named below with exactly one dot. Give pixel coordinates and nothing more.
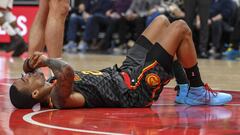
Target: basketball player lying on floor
(138, 82)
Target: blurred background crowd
(112, 26)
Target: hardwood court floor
(163, 118)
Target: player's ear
(35, 94)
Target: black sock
(179, 73)
(193, 76)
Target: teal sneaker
(204, 95)
(182, 93)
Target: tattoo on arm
(65, 78)
(56, 66)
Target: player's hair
(21, 99)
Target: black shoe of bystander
(203, 55)
(21, 48)
(15, 42)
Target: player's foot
(204, 95)
(182, 93)
(21, 48)
(70, 47)
(82, 46)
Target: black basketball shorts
(146, 69)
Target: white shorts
(6, 4)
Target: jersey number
(92, 72)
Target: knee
(91, 19)
(182, 27)
(60, 7)
(73, 17)
(162, 19)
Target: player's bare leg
(177, 39)
(37, 31)
(179, 73)
(58, 10)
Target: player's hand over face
(38, 60)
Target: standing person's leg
(93, 28)
(58, 11)
(177, 39)
(123, 30)
(190, 8)
(37, 31)
(233, 52)
(139, 26)
(216, 37)
(87, 34)
(75, 24)
(112, 27)
(203, 10)
(17, 42)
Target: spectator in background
(221, 13)
(88, 9)
(114, 18)
(155, 9)
(170, 9)
(76, 22)
(134, 19)
(9, 24)
(202, 9)
(140, 10)
(97, 9)
(233, 51)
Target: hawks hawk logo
(76, 78)
(152, 80)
